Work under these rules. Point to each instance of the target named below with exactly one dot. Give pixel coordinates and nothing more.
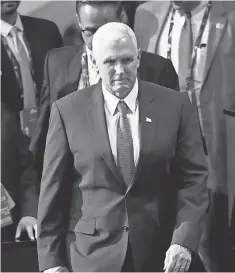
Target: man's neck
(188, 6)
(10, 19)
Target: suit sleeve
(38, 140)
(54, 195)
(28, 192)
(169, 77)
(190, 174)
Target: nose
(119, 69)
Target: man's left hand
(28, 224)
(178, 259)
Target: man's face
(185, 6)
(9, 7)
(117, 63)
(92, 17)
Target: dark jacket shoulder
(37, 21)
(66, 53)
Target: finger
(36, 231)
(18, 232)
(171, 265)
(30, 232)
(166, 261)
(182, 267)
(187, 266)
(177, 266)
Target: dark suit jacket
(42, 35)
(61, 77)
(86, 214)
(17, 175)
(216, 93)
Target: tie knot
(14, 31)
(188, 15)
(123, 109)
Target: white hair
(112, 32)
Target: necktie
(29, 89)
(84, 81)
(125, 153)
(185, 51)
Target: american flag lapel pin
(148, 120)
(219, 25)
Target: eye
(109, 62)
(127, 60)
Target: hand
(28, 224)
(56, 269)
(178, 259)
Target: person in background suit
(211, 81)
(70, 68)
(18, 177)
(114, 155)
(24, 44)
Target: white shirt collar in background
(6, 28)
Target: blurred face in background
(92, 17)
(9, 8)
(117, 62)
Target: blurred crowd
(192, 49)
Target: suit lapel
(8, 71)
(96, 116)
(148, 121)
(217, 25)
(161, 17)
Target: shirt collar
(112, 101)
(6, 28)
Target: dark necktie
(125, 153)
(185, 51)
(29, 89)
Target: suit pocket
(82, 226)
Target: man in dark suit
(70, 68)
(24, 44)
(116, 153)
(213, 85)
(17, 176)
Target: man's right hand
(56, 269)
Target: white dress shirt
(112, 117)
(11, 41)
(179, 20)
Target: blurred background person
(71, 68)
(196, 36)
(24, 44)
(18, 178)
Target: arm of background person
(189, 173)
(55, 195)
(38, 140)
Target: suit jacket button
(125, 228)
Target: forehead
(94, 16)
(117, 49)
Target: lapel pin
(219, 25)
(148, 120)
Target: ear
(139, 56)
